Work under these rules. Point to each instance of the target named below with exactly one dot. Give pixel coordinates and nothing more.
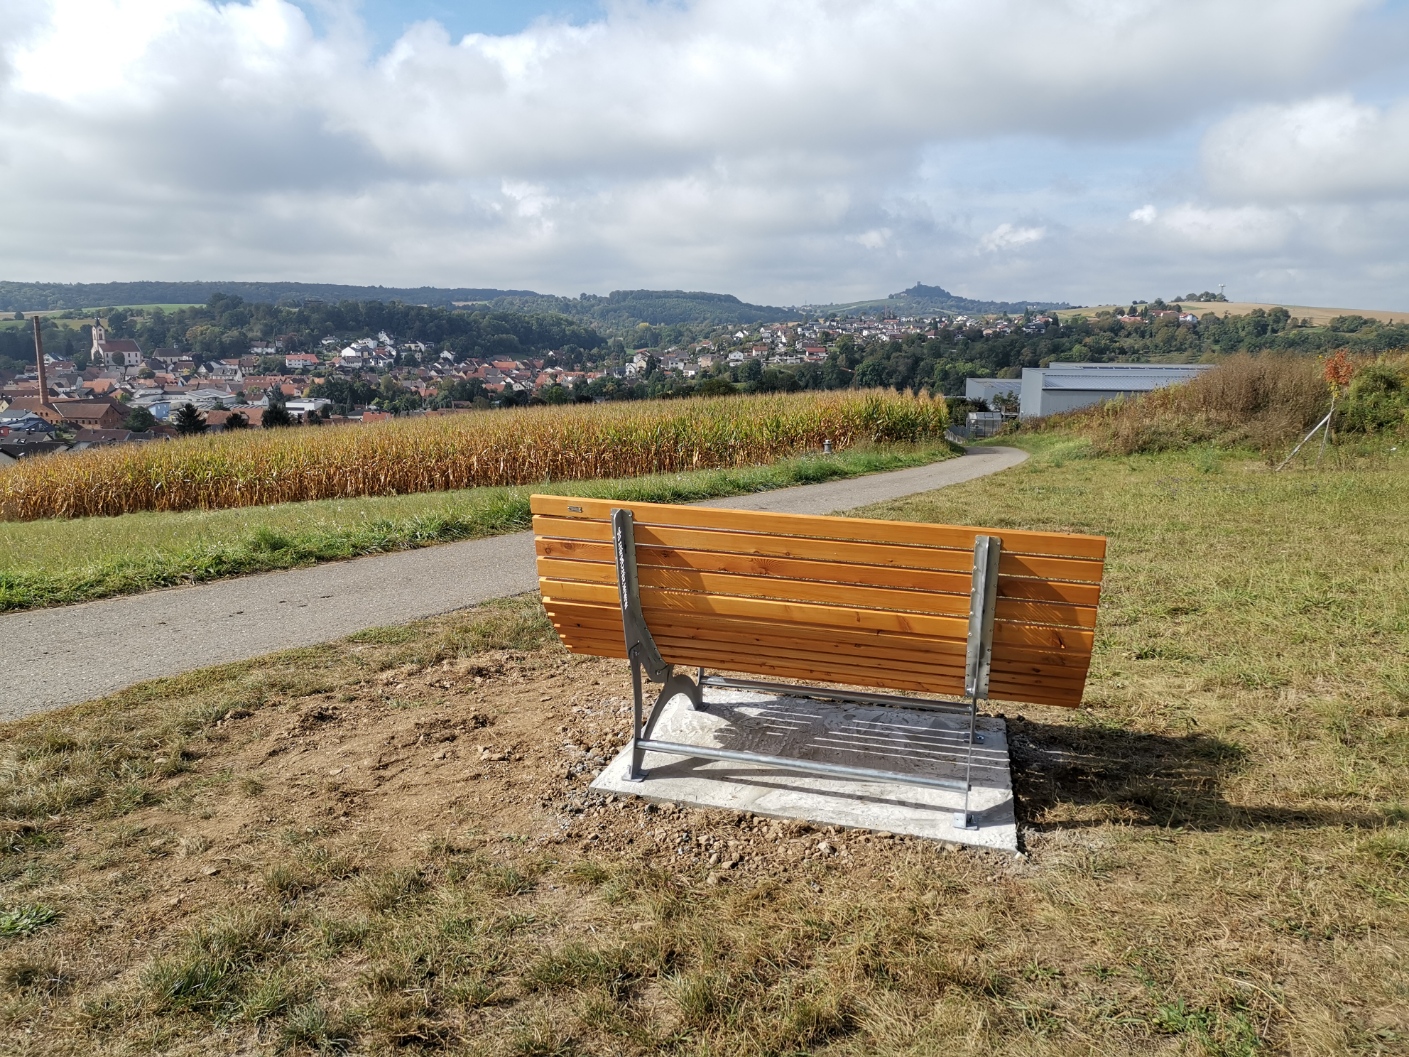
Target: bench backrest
(824, 599)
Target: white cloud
(1329, 148)
(1225, 230)
(770, 149)
(874, 239)
(1006, 237)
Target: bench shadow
(1142, 779)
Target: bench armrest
(639, 644)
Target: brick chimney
(39, 362)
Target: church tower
(97, 353)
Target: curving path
(53, 657)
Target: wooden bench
(971, 613)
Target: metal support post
(641, 648)
(978, 659)
(638, 731)
(964, 820)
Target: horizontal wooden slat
(875, 669)
(663, 602)
(868, 530)
(1080, 570)
(706, 655)
(879, 651)
(593, 614)
(820, 592)
(955, 582)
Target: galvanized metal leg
(641, 730)
(983, 602)
(640, 647)
(638, 755)
(962, 819)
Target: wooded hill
(33, 297)
(225, 326)
(922, 300)
(619, 310)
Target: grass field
(1318, 316)
(74, 324)
(385, 845)
(55, 562)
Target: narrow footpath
(54, 657)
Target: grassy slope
(45, 563)
(75, 324)
(1318, 316)
(1218, 845)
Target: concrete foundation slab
(902, 740)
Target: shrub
(1377, 401)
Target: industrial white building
(1068, 386)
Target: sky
(787, 151)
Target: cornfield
(574, 442)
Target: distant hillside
(621, 308)
(921, 299)
(658, 307)
(18, 297)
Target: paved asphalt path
(53, 657)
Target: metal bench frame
(646, 659)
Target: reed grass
(578, 442)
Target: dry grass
(258, 467)
(1264, 402)
(384, 845)
(1260, 401)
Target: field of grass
(385, 845)
(512, 447)
(55, 562)
(74, 324)
(1319, 316)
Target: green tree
(870, 375)
(237, 420)
(140, 420)
(189, 421)
(715, 387)
(276, 415)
